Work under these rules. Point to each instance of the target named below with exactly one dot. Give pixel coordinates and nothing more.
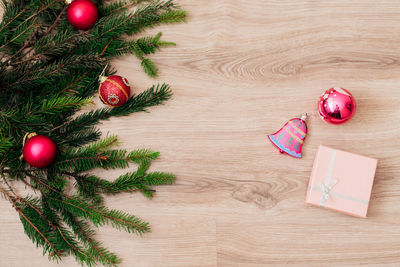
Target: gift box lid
(341, 181)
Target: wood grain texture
(240, 70)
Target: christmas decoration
(82, 14)
(39, 151)
(49, 72)
(290, 138)
(114, 90)
(336, 105)
(341, 181)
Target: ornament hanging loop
(26, 137)
(103, 78)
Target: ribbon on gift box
(326, 188)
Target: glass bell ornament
(290, 138)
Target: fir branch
(60, 104)
(173, 16)
(141, 155)
(70, 244)
(85, 234)
(26, 22)
(79, 138)
(116, 6)
(155, 95)
(73, 83)
(78, 252)
(150, 44)
(49, 29)
(80, 161)
(31, 229)
(5, 143)
(20, 34)
(149, 67)
(11, 20)
(159, 178)
(101, 215)
(49, 71)
(102, 144)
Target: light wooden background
(240, 70)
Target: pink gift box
(341, 181)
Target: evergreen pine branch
(173, 16)
(101, 215)
(78, 252)
(102, 144)
(80, 137)
(35, 227)
(98, 215)
(140, 47)
(131, 182)
(48, 72)
(118, 6)
(60, 104)
(150, 44)
(22, 32)
(90, 186)
(38, 231)
(5, 143)
(60, 234)
(159, 178)
(86, 234)
(153, 96)
(80, 161)
(10, 14)
(141, 155)
(149, 67)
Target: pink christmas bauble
(82, 14)
(336, 105)
(39, 151)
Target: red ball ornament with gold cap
(39, 150)
(114, 90)
(290, 138)
(81, 14)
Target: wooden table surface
(240, 70)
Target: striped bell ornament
(290, 138)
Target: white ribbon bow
(325, 190)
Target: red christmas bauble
(114, 90)
(336, 105)
(82, 14)
(39, 151)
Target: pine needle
(49, 72)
